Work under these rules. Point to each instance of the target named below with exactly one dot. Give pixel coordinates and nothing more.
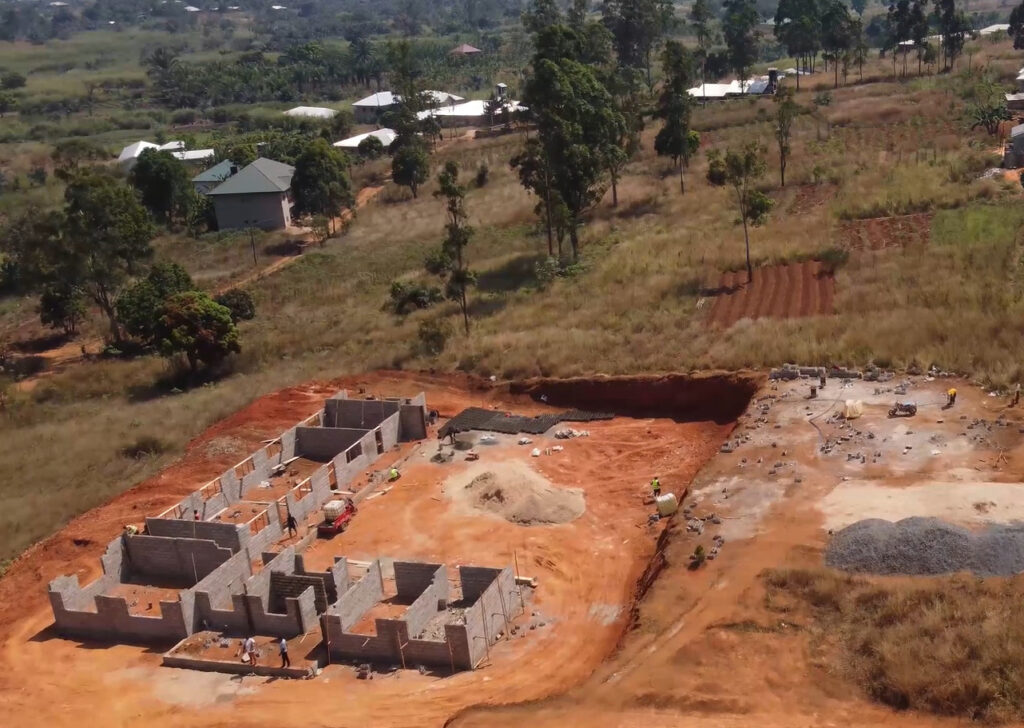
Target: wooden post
(451, 655)
(504, 611)
(401, 654)
(327, 637)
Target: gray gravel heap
(921, 546)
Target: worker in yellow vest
(951, 397)
(656, 486)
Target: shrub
(546, 270)
(433, 336)
(406, 296)
(482, 174)
(143, 446)
(63, 308)
(240, 303)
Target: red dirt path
(778, 291)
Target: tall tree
(919, 30)
(410, 164)
(798, 26)
(953, 29)
(837, 33)
(163, 183)
(450, 262)
(739, 26)
(541, 14)
(193, 324)
(321, 185)
(637, 27)
(701, 18)
(96, 244)
(675, 139)
(576, 122)
(786, 111)
(139, 305)
(535, 175)
(1016, 30)
(740, 169)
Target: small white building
(311, 112)
(368, 110)
(469, 113)
(386, 136)
(130, 154)
(997, 28)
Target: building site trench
(587, 569)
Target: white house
(467, 113)
(386, 137)
(311, 112)
(130, 154)
(369, 109)
(997, 28)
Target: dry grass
(635, 302)
(951, 646)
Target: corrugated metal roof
(386, 137)
(316, 112)
(262, 176)
(217, 173)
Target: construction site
(442, 550)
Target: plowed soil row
(884, 232)
(778, 291)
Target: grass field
(639, 300)
(948, 645)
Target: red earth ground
(885, 232)
(587, 571)
(779, 291)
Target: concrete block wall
(288, 444)
(183, 559)
(233, 619)
(66, 594)
(413, 577)
(457, 637)
(258, 542)
(231, 486)
(360, 597)
(389, 431)
(475, 579)
(113, 561)
(412, 422)
(113, 621)
(427, 605)
(485, 619)
(362, 414)
(346, 646)
(323, 443)
(299, 616)
(229, 579)
(291, 586)
(225, 535)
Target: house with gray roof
(259, 195)
(206, 181)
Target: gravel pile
(922, 546)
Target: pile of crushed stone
(520, 495)
(926, 546)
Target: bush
(406, 296)
(240, 303)
(546, 270)
(433, 336)
(12, 80)
(482, 174)
(143, 446)
(62, 308)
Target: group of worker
(250, 654)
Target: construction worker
(656, 487)
(249, 648)
(951, 397)
(393, 475)
(1016, 395)
(291, 524)
(282, 647)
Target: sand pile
(921, 546)
(517, 493)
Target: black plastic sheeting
(478, 418)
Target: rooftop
(262, 176)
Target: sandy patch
(516, 492)
(957, 502)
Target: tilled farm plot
(779, 291)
